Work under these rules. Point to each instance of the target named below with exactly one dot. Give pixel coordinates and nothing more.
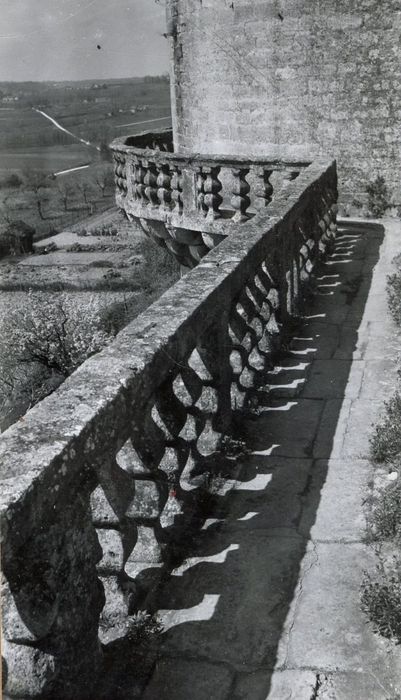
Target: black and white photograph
(200, 349)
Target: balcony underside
(191, 202)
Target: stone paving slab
(376, 349)
(243, 611)
(351, 346)
(339, 516)
(362, 418)
(177, 679)
(278, 505)
(330, 379)
(272, 427)
(326, 337)
(326, 628)
(285, 685)
(325, 312)
(357, 686)
(329, 438)
(379, 379)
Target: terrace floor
(266, 606)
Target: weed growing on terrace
(143, 627)
(381, 600)
(385, 518)
(381, 593)
(378, 197)
(394, 295)
(233, 447)
(386, 440)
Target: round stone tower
(291, 79)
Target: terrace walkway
(267, 603)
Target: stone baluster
(150, 181)
(176, 189)
(214, 352)
(200, 190)
(139, 180)
(116, 534)
(51, 602)
(266, 190)
(333, 220)
(240, 200)
(116, 167)
(324, 232)
(296, 286)
(120, 172)
(143, 457)
(212, 187)
(164, 186)
(142, 511)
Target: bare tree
(44, 341)
(85, 187)
(38, 182)
(7, 210)
(52, 331)
(104, 178)
(66, 190)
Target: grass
(21, 203)
(384, 521)
(381, 601)
(233, 447)
(394, 293)
(386, 440)
(378, 197)
(47, 158)
(143, 627)
(381, 591)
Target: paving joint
(302, 578)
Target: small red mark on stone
(173, 494)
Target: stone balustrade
(100, 478)
(190, 202)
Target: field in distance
(35, 152)
(95, 112)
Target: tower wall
(291, 78)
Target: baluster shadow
(225, 607)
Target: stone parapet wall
(101, 477)
(291, 79)
(190, 203)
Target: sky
(59, 39)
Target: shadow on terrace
(223, 609)
(102, 478)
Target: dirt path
(62, 128)
(267, 604)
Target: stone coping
(193, 159)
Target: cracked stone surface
(266, 606)
(367, 686)
(286, 685)
(173, 678)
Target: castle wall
(291, 78)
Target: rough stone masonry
(292, 78)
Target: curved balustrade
(191, 202)
(102, 477)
